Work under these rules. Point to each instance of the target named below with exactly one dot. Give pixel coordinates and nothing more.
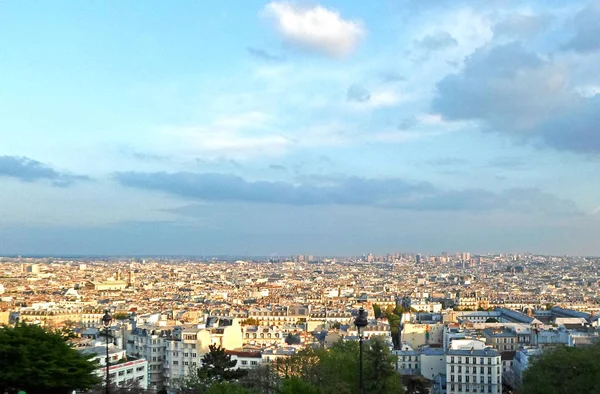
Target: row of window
(467, 369)
(474, 380)
(467, 360)
(474, 388)
(410, 366)
(245, 362)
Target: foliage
(296, 385)
(564, 370)
(227, 388)
(377, 311)
(38, 361)
(416, 384)
(335, 370)
(292, 339)
(491, 320)
(218, 365)
(250, 322)
(394, 316)
(120, 316)
(262, 379)
(380, 372)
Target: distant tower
(118, 275)
(131, 279)
(418, 259)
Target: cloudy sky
(326, 128)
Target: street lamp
(106, 320)
(361, 322)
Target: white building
(245, 359)
(473, 371)
(121, 371)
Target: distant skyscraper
(418, 259)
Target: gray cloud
(277, 167)
(511, 90)
(384, 193)
(587, 29)
(448, 162)
(29, 170)
(436, 42)
(358, 93)
(391, 76)
(522, 26)
(264, 55)
(509, 163)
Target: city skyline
(331, 127)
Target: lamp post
(361, 322)
(106, 320)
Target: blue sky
(333, 127)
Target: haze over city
(329, 128)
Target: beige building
(109, 285)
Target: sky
(279, 127)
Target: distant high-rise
(418, 259)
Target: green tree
(292, 339)
(250, 322)
(380, 372)
(564, 370)
(120, 316)
(263, 379)
(296, 385)
(491, 320)
(227, 388)
(37, 361)
(377, 311)
(218, 365)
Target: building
(245, 359)
(121, 371)
(109, 285)
(473, 371)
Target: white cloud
(316, 28)
(242, 136)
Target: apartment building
(473, 371)
(121, 371)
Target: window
(452, 368)
(121, 373)
(467, 369)
(481, 369)
(185, 354)
(481, 360)
(244, 362)
(452, 359)
(175, 362)
(185, 363)
(139, 369)
(459, 369)
(253, 362)
(129, 371)
(193, 354)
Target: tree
(491, 320)
(120, 316)
(380, 372)
(218, 365)
(37, 361)
(250, 322)
(292, 339)
(262, 379)
(227, 388)
(377, 311)
(296, 385)
(564, 370)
